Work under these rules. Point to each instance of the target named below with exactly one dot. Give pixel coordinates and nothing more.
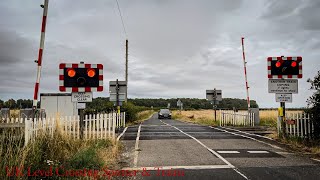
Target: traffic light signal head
(81, 77)
(284, 67)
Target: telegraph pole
(39, 61)
(214, 104)
(126, 98)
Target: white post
(105, 121)
(101, 126)
(26, 132)
(98, 125)
(309, 127)
(109, 125)
(94, 126)
(90, 126)
(305, 124)
(85, 127)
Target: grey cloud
(177, 48)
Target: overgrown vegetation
(314, 105)
(103, 105)
(57, 152)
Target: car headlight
(169, 114)
(160, 114)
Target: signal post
(81, 79)
(283, 75)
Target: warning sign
(283, 97)
(283, 86)
(81, 97)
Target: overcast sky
(177, 48)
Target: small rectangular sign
(283, 97)
(81, 97)
(283, 86)
(121, 84)
(211, 95)
(81, 105)
(113, 97)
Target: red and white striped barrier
(43, 28)
(245, 73)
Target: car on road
(164, 113)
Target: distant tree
(1, 103)
(11, 103)
(314, 105)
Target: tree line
(16, 104)
(194, 103)
(103, 103)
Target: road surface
(170, 149)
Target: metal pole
(81, 114)
(283, 119)
(214, 104)
(39, 61)
(126, 98)
(245, 73)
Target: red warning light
(293, 64)
(91, 72)
(71, 72)
(278, 64)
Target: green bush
(132, 111)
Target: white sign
(113, 97)
(81, 105)
(283, 86)
(284, 98)
(179, 103)
(81, 97)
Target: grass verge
(142, 116)
(57, 153)
(299, 145)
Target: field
(206, 117)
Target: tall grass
(54, 151)
(204, 117)
(269, 117)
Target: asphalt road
(170, 149)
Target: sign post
(283, 74)
(214, 96)
(81, 79)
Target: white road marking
(122, 133)
(318, 160)
(151, 125)
(136, 152)
(274, 146)
(228, 152)
(283, 153)
(249, 133)
(212, 151)
(179, 167)
(258, 152)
